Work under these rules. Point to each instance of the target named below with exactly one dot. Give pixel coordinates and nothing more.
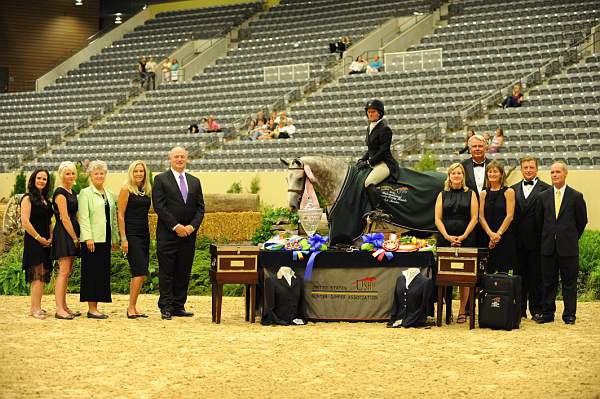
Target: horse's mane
(329, 173)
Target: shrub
(236, 188)
(270, 217)
(12, 275)
(255, 185)
(428, 162)
(589, 265)
(20, 186)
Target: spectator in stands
(166, 70)
(100, 233)
(142, 71)
(282, 115)
(151, 73)
(260, 116)
(513, 100)
(375, 66)
(36, 218)
(359, 65)
(211, 125)
(65, 244)
(497, 142)
(133, 207)
(456, 213)
(260, 127)
(465, 149)
(193, 128)
(270, 128)
(487, 137)
(174, 70)
(288, 130)
(341, 46)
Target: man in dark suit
(475, 176)
(179, 204)
(528, 243)
(561, 216)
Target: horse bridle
(299, 191)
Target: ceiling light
(78, 2)
(118, 19)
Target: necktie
(557, 201)
(528, 183)
(183, 188)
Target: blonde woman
(134, 204)
(496, 212)
(456, 217)
(514, 100)
(65, 246)
(99, 233)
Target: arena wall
(273, 186)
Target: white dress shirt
(479, 173)
(527, 189)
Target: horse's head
(296, 179)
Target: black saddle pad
(409, 200)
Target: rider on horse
(379, 154)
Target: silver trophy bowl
(310, 218)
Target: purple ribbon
(316, 243)
(376, 239)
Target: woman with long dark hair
(36, 217)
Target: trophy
(309, 217)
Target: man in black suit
(179, 204)
(528, 243)
(475, 176)
(561, 216)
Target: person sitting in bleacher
(211, 125)
(151, 74)
(288, 130)
(497, 142)
(359, 65)
(174, 70)
(269, 130)
(260, 126)
(375, 66)
(142, 71)
(487, 137)
(465, 149)
(341, 46)
(513, 100)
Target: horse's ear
(283, 161)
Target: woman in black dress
(99, 232)
(133, 205)
(496, 211)
(456, 217)
(65, 246)
(36, 217)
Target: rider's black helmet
(376, 104)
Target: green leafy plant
(428, 162)
(81, 181)
(271, 216)
(20, 186)
(12, 275)
(255, 185)
(589, 265)
(235, 188)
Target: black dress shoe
(166, 315)
(99, 316)
(182, 313)
(569, 320)
(544, 319)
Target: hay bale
(231, 203)
(222, 226)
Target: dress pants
(529, 269)
(568, 267)
(175, 260)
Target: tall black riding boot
(374, 198)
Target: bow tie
(475, 164)
(528, 183)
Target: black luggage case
(500, 301)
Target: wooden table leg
(219, 301)
(214, 301)
(440, 304)
(472, 308)
(247, 302)
(252, 303)
(448, 297)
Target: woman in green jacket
(99, 233)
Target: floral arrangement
(376, 243)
